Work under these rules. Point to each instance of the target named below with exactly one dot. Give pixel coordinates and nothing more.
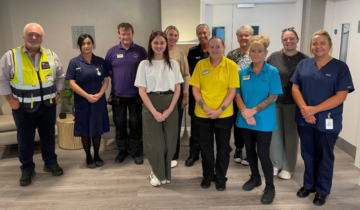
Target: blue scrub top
(256, 88)
(318, 85)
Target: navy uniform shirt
(318, 85)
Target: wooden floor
(126, 186)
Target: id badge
(120, 55)
(247, 77)
(329, 123)
(205, 71)
(49, 78)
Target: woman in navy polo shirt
(259, 88)
(89, 82)
(320, 86)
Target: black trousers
(26, 123)
(180, 111)
(238, 139)
(131, 141)
(257, 144)
(194, 129)
(221, 127)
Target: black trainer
(54, 169)
(303, 193)
(268, 196)
(252, 183)
(220, 185)
(138, 159)
(319, 199)
(191, 160)
(205, 183)
(121, 156)
(238, 155)
(26, 177)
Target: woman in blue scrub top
(320, 86)
(89, 81)
(259, 88)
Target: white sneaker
(244, 162)
(285, 174)
(173, 163)
(154, 181)
(276, 171)
(165, 181)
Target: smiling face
(244, 39)
(126, 36)
(320, 46)
(172, 36)
(289, 40)
(203, 35)
(87, 46)
(33, 37)
(258, 53)
(158, 45)
(216, 48)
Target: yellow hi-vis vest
(29, 86)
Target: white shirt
(158, 76)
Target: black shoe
(252, 183)
(238, 155)
(99, 163)
(303, 193)
(121, 156)
(220, 186)
(91, 165)
(26, 177)
(138, 159)
(319, 199)
(191, 160)
(268, 196)
(54, 169)
(205, 184)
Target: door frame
(298, 8)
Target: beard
(33, 43)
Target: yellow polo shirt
(214, 84)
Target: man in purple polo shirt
(122, 62)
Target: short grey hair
(202, 25)
(38, 25)
(245, 28)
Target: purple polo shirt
(124, 64)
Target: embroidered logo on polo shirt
(135, 55)
(349, 86)
(328, 75)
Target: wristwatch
(57, 93)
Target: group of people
(271, 101)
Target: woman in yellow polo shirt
(214, 82)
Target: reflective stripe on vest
(28, 84)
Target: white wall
(57, 17)
(339, 12)
(184, 14)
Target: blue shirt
(318, 85)
(124, 64)
(253, 90)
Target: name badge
(120, 55)
(197, 57)
(78, 69)
(45, 65)
(205, 71)
(49, 78)
(329, 123)
(247, 77)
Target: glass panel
(256, 30)
(220, 32)
(344, 41)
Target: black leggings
(257, 144)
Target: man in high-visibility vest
(31, 80)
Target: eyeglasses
(288, 29)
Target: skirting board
(346, 146)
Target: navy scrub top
(90, 118)
(318, 85)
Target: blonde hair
(324, 33)
(259, 40)
(171, 28)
